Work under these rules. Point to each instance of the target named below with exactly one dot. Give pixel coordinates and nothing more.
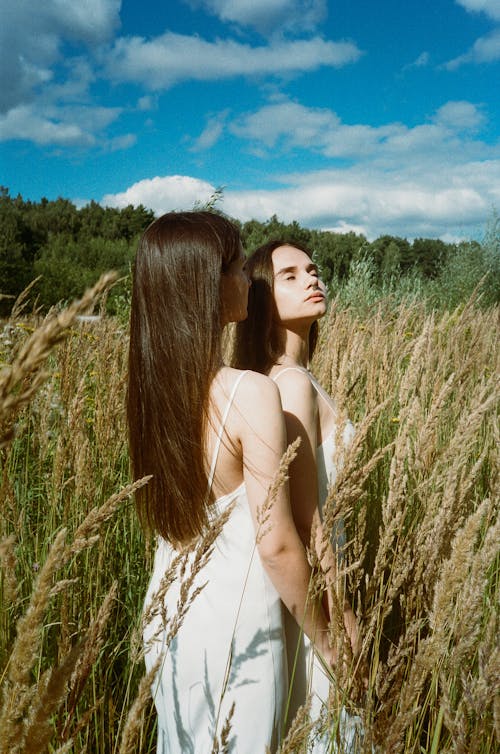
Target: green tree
(429, 255)
(16, 269)
(68, 267)
(335, 252)
(390, 267)
(255, 233)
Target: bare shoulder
(295, 384)
(259, 413)
(255, 389)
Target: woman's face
(299, 294)
(234, 291)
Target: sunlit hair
(175, 352)
(257, 343)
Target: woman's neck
(296, 350)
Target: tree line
(67, 248)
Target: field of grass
(418, 490)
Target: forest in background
(67, 248)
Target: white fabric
(229, 649)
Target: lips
(316, 296)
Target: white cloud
(172, 58)
(267, 16)
(288, 125)
(490, 7)
(484, 50)
(24, 123)
(211, 133)
(31, 39)
(420, 62)
(147, 103)
(45, 96)
(63, 126)
(460, 115)
(287, 120)
(163, 193)
(118, 143)
(370, 200)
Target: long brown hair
(175, 352)
(257, 343)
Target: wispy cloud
(420, 62)
(267, 16)
(484, 50)
(63, 126)
(490, 7)
(288, 125)
(211, 133)
(23, 122)
(172, 58)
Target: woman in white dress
(211, 437)
(278, 338)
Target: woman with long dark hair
(212, 438)
(278, 338)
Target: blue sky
(378, 117)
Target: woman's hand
(352, 630)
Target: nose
(311, 280)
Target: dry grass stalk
(8, 564)
(20, 381)
(132, 729)
(66, 747)
(39, 729)
(280, 478)
(87, 532)
(17, 694)
(222, 743)
(23, 298)
(94, 641)
(296, 740)
(432, 652)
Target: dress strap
(221, 429)
(291, 369)
(319, 389)
(302, 370)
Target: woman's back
(229, 648)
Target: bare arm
(263, 440)
(300, 405)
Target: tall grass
(418, 490)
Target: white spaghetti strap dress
(307, 674)
(230, 647)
